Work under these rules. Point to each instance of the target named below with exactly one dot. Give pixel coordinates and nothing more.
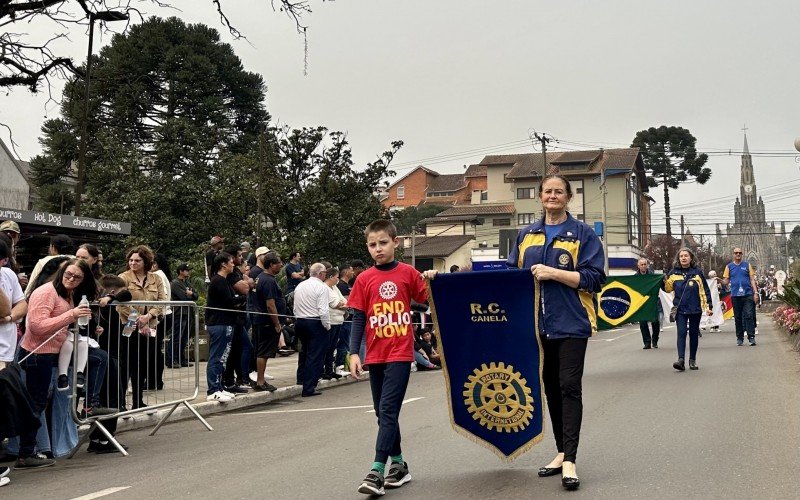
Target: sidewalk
(284, 369)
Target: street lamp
(104, 16)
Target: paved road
(729, 430)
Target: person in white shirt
(312, 311)
(13, 308)
(338, 308)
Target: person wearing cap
(181, 289)
(11, 229)
(258, 266)
(215, 247)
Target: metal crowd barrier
(145, 371)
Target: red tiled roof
(530, 164)
(448, 182)
(436, 246)
(476, 171)
(504, 209)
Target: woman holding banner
(566, 259)
(692, 299)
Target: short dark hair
(345, 267)
(357, 263)
(5, 252)
(563, 179)
(221, 258)
(163, 265)
(271, 258)
(381, 225)
(112, 281)
(63, 244)
(145, 253)
(454, 268)
(88, 285)
(293, 255)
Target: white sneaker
(413, 366)
(229, 394)
(342, 372)
(254, 376)
(220, 396)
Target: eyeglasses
(737, 253)
(73, 277)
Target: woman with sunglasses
(52, 308)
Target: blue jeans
(333, 342)
(176, 349)
(388, 382)
(241, 357)
(688, 323)
(344, 343)
(744, 316)
(220, 347)
(38, 375)
(98, 366)
(421, 361)
(311, 359)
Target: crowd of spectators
(257, 308)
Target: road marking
(102, 493)
(305, 410)
(410, 400)
(617, 338)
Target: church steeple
(746, 150)
(747, 188)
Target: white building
(14, 188)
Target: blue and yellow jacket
(687, 283)
(564, 311)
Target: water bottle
(83, 321)
(130, 325)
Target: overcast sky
(454, 78)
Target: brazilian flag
(625, 299)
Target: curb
(206, 408)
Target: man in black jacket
(181, 289)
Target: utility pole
(544, 140)
(413, 247)
(605, 222)
(683, 234)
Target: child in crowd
(381, 301)
(65, 358)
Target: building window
(525, 193)
(501, 222)
(525, 219)
(401, 192)
(484, 195)
(579, 190)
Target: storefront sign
(61, 220)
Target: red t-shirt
(385, 298)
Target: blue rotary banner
(491, 357)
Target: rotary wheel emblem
(387, 290)
(499, 398)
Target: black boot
(646, 346)
(692, 365)
(678, 365)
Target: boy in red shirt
(381, 302)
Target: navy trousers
(388, 382)
(311, 360)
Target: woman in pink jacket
(52, 308)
